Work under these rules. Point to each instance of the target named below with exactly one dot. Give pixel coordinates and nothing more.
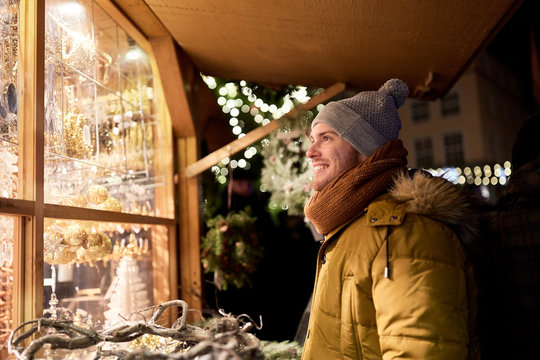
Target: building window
(453, 146)
(450, 104)
(419, 111)
(424, 153)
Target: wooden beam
(17, 207)
(173, 84)
(143, 17)
(257, 134)
(125, 23)
(75, 213)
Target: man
(510, 266)
(393, 281)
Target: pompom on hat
(368, 119)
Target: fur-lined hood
(439, 199)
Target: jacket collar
(421, 194)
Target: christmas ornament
(97, 194)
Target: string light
(478, 175)
(261, 112)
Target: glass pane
(9, 55)
(102, 129)
(7, 236)
(101, 271)
(106, 42)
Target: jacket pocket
(359, 338)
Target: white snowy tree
(128, 292)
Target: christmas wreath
(286, 172)
(231, 248)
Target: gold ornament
(75, 235)
(106, 244)
(97, 194)
(93, 241)
(111, 204)
(75, 200)
(98, 245)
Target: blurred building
(470, 131)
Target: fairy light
(261, 112)
(478, 175)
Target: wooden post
(31, 140)
(189, 231)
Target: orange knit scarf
(346, 196)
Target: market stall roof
(428, 44)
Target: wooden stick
(254, 135)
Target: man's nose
(311, 152)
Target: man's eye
(326, 138)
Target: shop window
(103, 150)
(100, 269)
(424, 153)
(107, 157)
(419, 111)
(101, 135)
(450, 104)
(453, 146)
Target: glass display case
(87, 219)
(100, 113)
(102, 271)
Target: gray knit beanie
(368, 119)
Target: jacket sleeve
(422, 307)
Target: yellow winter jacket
(395, 282)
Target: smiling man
(393, 280)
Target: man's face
(330, 155)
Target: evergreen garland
(231, 248)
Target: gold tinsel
(76, 146)
(158, 344)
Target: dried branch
(226, 339)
